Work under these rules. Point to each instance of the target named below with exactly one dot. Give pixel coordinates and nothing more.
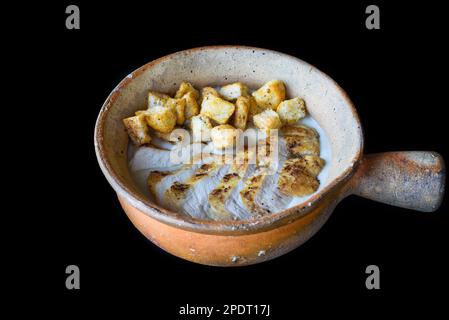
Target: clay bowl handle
(412, 179)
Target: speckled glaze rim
(257, 224)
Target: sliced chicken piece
(202, 172)
(299, 146)
(197, 203)
(251, 187)
(298, 176)
(155, 177)
(312, 164)
(159, 181)
(300, 131)
(176, 193)
(216, 206)
(269, 197)
(300, 140)
(217, 197)
(253, 195)
(151, 158)
(234, 203)
(190, 196)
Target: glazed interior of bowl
(326, 102)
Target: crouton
(242, 106)
(232, 91)
(290, 111)
(156, 99)
(270, 94)
(162, 119)
(300, 131)
(267, 120)
(217, 109)
(201, 128)
(254, 108)
(137, 129)
(184, 88)
(179, 105)
(224, 136)
(192, 108)
(207, 90)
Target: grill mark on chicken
(299, 175)
(155, 177)
(234, 203)
(202, 172)
(269, 196)
(299, 131)
(177, 192)
(197, 203)
(216, 208)
(218, 196)
(299, 146)
(188, 196)
(159, 181)
(250, 189)
(300, 140)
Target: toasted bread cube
(267, 120)
(290, 111)
(224, 136)
(162, 119)
(270, 94)
(192, 108)
(137, 129)
(201, 128)
(254, 108)
(232, 91)
(242, 106)
(184, 88)
(157, 99)
(207, 90)
(217, 109)
(179, 105)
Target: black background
(392, 76)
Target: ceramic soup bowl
(413, 180)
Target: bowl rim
(231, 227)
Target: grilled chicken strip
(159, 181)
(151, 158)
(300, 140)
(216, 206)
(191, 195)
(251, 188)
(298, 176)
(234, 202)
(269, 197)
